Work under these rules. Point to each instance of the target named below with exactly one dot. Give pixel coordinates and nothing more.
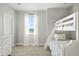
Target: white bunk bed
(67, 24)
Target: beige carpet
(30, 51)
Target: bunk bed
(61, 46)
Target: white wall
(54, 14)
(20, 27)
(41, 28)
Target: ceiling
(37, 6)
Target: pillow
(66, 33)
(59, 32)
(60, 36)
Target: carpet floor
(30, 51)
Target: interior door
(9, 27)
(6, 42)
(7, 24)
(1, 27)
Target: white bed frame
(69, 23)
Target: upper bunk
(69, 23)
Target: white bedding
(56, 47)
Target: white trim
(19, 43)
(77, 24)
(28, 45)
(31, 45)
(25, 44)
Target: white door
(7, 24)
(1, 27)
(7, 34)
(9, 27)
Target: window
(30, 24)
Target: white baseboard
(26, 44)
(30, 44)
(19, 43)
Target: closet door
(7, 24)
(1, 22)
(9, 28)
(1, 28)
(7, 34)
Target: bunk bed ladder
(50, 36)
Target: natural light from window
(30, 24)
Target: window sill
(30, 34)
